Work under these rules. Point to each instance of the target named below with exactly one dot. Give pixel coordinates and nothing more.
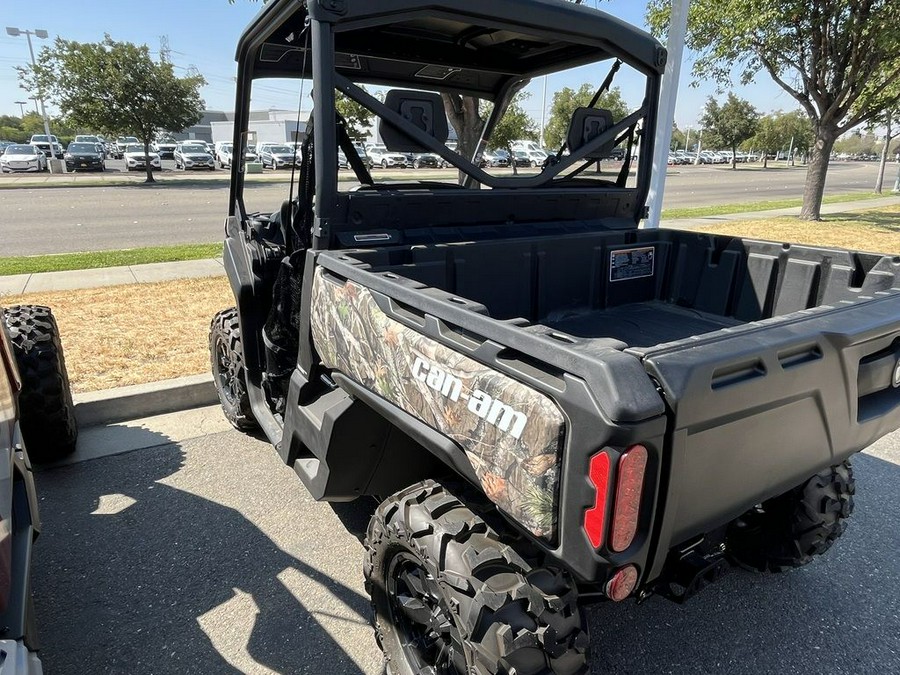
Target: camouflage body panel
(511, 434)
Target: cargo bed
(643, 288)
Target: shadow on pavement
(840, 614)
(131, 575)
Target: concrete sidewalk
(827, 209)
(189, 269)
(110, 276)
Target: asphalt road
(60, 220)
(208, 556)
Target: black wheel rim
(225, 373)
(428, 636)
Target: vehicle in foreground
(552, 404)
(84, 157)
(193, 156)
(37, 422)
(136, 159)
(22, 157)
(96, 141)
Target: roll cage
(467, 47)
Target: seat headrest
(586, 125)
(424, 109)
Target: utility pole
(699, 149)
(165, 52)
(41, 35)
(21, 105)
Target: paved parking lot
(207, 555)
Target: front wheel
(449, 597)
(47, 410)
(384, 164)
(227, 361)
(789, 530)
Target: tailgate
(758, 409)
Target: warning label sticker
(631, 263)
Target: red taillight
(622, 583)
(629, 487)
(595, 517)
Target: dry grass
(876, 230)
(121, 335)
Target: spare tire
(46, 410)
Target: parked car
(136, 161)
(386, 159)
(122, 142)
(22, 157)
(41, 143)
(427, 159)
(193, 155)
(94, 140)
(224, 154)
(521, 158)
(165, 148)
(84, 157)
(495, 159)
(277, 155)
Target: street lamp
(41, 35)
(21, 105)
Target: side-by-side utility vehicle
(551, 403)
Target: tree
(357, 116)
(835, 57)
(679, 139)
(566, 100)
(729, 124)
(769, 137)
(116, 87)
(516, 124)
(889, 118)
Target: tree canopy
(117, 88)
(840, 60)
(729, 124)
(357, 116)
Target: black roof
(470, 46)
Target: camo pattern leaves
(354, 336)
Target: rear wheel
(384, 164)
(788, 531)
(227, 361)
(449, 597)
(47, 411)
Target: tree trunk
(816, 173)
(512, 160)
(734, 157)
(765, 159)
(885, 152)
(466, 119)
(147, 166)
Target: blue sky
(204, 33)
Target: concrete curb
(144, 400)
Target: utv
(551, 402)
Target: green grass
(744, 207)
(82, 261)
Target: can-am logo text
(491, 410)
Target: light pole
(21, 105)
(41, 35)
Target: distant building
(269, 126)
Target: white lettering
(502, 416)
(480, 403)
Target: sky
(204, 33)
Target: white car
(22, 157)
(135, 160)
(384, 158)
(193, 155)
(225, 154)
